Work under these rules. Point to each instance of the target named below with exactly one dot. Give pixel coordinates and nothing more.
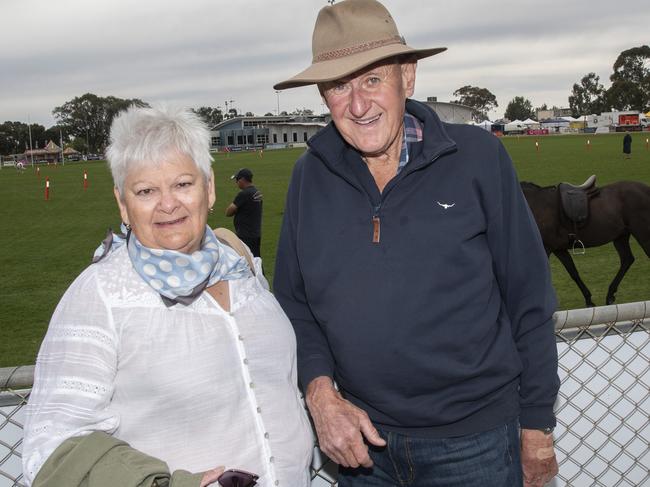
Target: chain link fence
(603, 422)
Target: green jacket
(100, 460)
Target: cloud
(204, 52)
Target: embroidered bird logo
(446, 206)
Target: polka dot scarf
(179, 277)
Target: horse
(617, 211)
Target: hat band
(348, 51)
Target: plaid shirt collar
(412, 133)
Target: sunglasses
(237, 478)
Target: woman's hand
(211, 476)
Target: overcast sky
(206, 52)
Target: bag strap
(229, 238)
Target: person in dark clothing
(627, 146)
(247, 210)
(405, 265)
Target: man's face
(368, 106)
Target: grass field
(45, 244)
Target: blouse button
(252, 386)
(277, 482)
(240, 337)
(272, 459)
(266, 435)
(246, 361)
(259, 409)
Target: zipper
(376, 219)
(376, 224)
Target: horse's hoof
(610, 300)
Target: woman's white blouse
(195, 386)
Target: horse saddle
(575, 199)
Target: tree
(14, 137)
(90, 116)
(623, 95)
(55, 134)
(588, 96)
(480, 99)
(519, 108)
(249, 114)
(303, 112)
(268, 114)
(79, 144)
(630, 88)
(211, 116)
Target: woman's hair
(149, 135)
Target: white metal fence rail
(603, 420)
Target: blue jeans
(488, 459)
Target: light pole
(277, 92)
(231, 106)
(29, 128)
(1, 163)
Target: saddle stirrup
(578, 248)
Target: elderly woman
(168, 357)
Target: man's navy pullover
(444, 326)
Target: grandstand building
(248, 133)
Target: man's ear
(408, 77)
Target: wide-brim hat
(349, 36)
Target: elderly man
(415, 279)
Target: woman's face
(166, 203)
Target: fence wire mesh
(603, 423)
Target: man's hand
(340, 425)
(231, 209)
(537, 458)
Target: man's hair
(142, 136)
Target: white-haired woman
(168, 357)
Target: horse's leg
(640, 229)
(564, 257)
(622, 245)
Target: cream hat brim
(334, 69)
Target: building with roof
(248, 133)
(553, 113)
(451, 112)
(50, 153)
